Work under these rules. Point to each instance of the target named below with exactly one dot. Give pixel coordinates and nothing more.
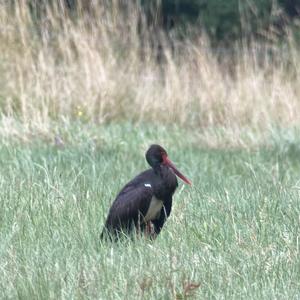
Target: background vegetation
(107, 62)
(224, 21)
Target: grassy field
(76, 103)
(234, 234)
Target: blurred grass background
(107, 65)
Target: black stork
(145, 202)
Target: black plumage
(146, 201)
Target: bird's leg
(138, 227)
(150, 230)
(149, 227)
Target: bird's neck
(168, 177)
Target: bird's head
(157, 156)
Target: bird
(144, 204)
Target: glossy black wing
(132, 202)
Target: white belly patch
(154, 209)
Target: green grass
(235, 232)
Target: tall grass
(233, 235)
(105, 67)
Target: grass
(103, 68)
(76, 103)
(234, 234)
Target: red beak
(169, 163)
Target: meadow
(234, 234)
(80, 104)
